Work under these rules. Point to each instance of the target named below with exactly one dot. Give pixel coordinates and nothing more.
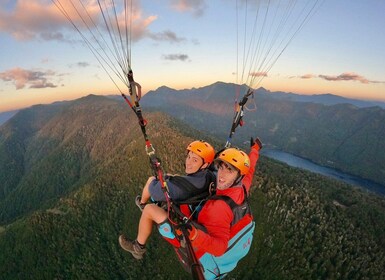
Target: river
(308, 165)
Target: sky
(184, 44)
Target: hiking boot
(137, 202)
(132, 246)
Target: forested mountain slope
(83, 163)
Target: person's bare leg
(146, 192)
(151, 213)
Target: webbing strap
(135, 94)
(238, 117)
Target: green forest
(69, 182)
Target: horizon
(176, 44)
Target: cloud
(83, 64)
(27, 20)
(308, 76)
(42, 19)
(195, 42)
(42, 84)
(258, 74)
(196, 7)
(166, 36)
(32, 78)
(347, 76)
(80, 64)
(46, 60)
(52, 36)
(350, 76)
(181, 57)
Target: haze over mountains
(69, 173)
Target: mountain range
(69, 174)
(329, 130)
(341, 136)
(326, 99)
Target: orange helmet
(202, 149)
(236, 158)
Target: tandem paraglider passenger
(222, 231)
(196, 183)
(200, 154)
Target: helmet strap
(237, 181)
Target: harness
(241, 236)
(195, 194)
(241, 233)
(239, 210)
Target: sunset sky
(185, 44)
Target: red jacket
(216, 215)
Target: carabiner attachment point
(150, 150)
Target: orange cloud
(308, 76)
(42, 19)
(347, 76)
(196, 7)
(21, 78)
(29, 18)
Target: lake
(295, 161)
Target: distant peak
(90, 96)
(164, 89)
(262, 90)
